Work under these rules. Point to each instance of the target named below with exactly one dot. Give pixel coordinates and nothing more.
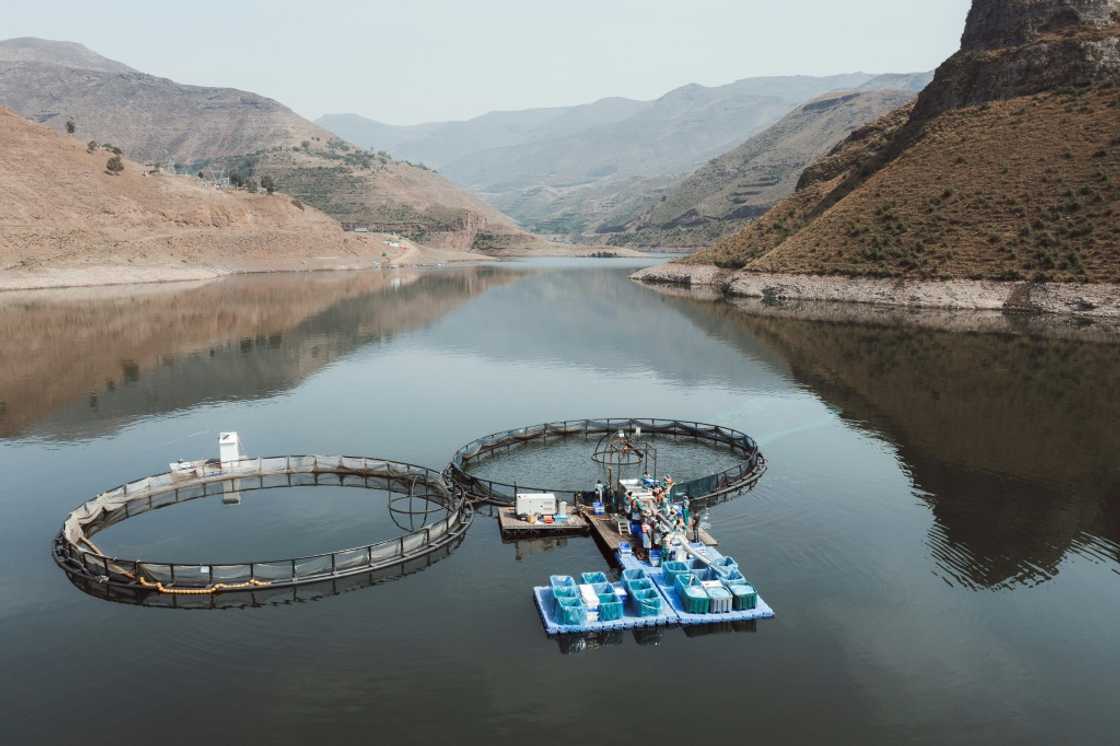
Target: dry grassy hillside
(61, 206)
(362, 188)
(1027, 188)
(1006, 168)
(821, 185)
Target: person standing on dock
(635, 509)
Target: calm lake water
(939, 530)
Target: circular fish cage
(258, 597)
(134, 580)
(707, 489)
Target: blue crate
(555, 581)
(647, 602)
(610, 608)
(571, 611)
(634, 574)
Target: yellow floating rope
(217, 587)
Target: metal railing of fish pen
(75, 552)
(310, 592)
(702, 490)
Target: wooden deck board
(605, 527)
(512, 525)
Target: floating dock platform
(514, 528)
(761, 610)
(672, 611)
(629, 620)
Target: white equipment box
(229, 451)
(229, 448)
(543, 503)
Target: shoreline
(1045, 325)
(108, 275)
(1091, 301)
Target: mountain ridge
(65, 53)
(745, 182)
(538, 117)
(232, 131)
(565, 169)
(1005, 173)
(64, 208)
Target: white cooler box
(543, 503)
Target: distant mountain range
(227, 130)
(744, 183)
(565, 169)
(681, 170)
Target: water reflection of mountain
(1012, 440)
(89, 361)
(605, 321)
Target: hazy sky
(405, 62)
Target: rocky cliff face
(993, 24)
(1014, 48)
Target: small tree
(70, 127)
(114, 165)
(268, 184)
(235, 179)
(251, 185)
(91, 146)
